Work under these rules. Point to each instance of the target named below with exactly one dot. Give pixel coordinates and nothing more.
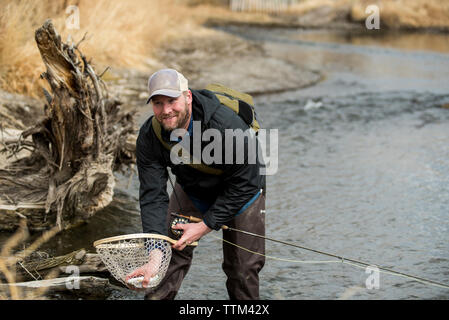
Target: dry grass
(305, 6)
(9, 261)
(119, 33)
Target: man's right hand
(148, 270)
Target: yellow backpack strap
(233, 99)
(157, 130)
(201, 167)
(218, 88)
(231, 103)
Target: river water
(363, 173)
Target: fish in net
(122, 255)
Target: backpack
(239, 102)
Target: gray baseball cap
(167, 82)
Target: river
(363, 172)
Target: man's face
(173, 113)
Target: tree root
(72, 153)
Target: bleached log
(84, 286)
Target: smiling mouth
(169, 117)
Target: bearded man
(234, 197)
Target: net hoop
(138, 236)
(132, 255)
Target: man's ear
(189, 96)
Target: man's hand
(148, 270)
(192, 232)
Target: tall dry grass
(119, 33)
(9, 260)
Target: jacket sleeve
(153, 175)
(240, 183)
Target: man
(234, 197)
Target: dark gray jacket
(231, 190)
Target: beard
(182, 117)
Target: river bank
(393, 15)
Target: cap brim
(165, 92)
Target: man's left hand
(191, 232)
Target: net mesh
(124, 256)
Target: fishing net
(122, 255)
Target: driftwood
(83, 138)
(75, 275)
(39, 268)
(80, 287)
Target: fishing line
(276, 258)
(381, 270)
(349, 261)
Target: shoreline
(341, 15)
(334, 26)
